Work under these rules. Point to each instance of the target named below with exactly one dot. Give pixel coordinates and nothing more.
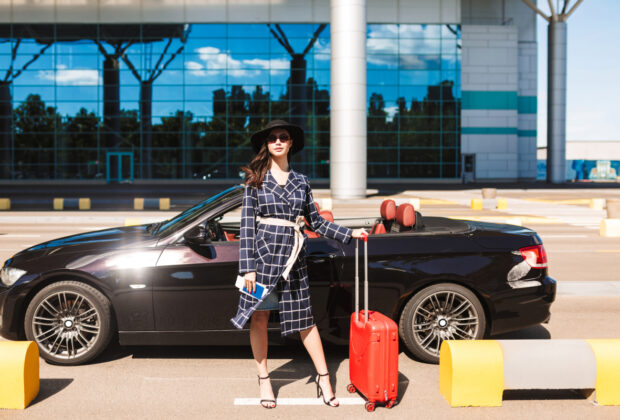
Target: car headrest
(405, 215)
(388, 209)
(327, 215)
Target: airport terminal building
(162, 89)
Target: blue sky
(593, 89)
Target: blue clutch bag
(258, 293)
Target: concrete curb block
(610, 228)
(19, 379)
(597, 203)
(476, 372)
(151, 203)
(71, 204)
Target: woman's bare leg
(312, 342)
(258, 341)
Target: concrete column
(348, 99)
(556, 103)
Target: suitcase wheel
(351, 388)
(390, 404)
(370, 407)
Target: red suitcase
(373, 348)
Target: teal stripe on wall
(489, 130)
(527, 104)
(526, 133)
(489, 100)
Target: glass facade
(180, 101)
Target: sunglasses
(283, 138)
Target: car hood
(126, 236)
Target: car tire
(444, 311)
(70, 321)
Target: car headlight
(9, 275)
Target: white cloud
(195, 68)
(391, 112)
(383, 44)
(71, 77)
(214, 60)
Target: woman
(272, 251)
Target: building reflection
(181, 100)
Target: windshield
(193, 213)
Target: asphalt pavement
(220, 382)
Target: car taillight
(535, 256)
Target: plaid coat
(265, 248)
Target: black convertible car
(173, 283)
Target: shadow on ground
(537, 332)
(546, 394)
(49, 387)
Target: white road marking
(299, 401)
(21, 235)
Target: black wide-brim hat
(296, 133)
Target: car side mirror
(197, 236)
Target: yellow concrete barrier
(19, 373)
(59, 203)
(84, 204)
(5, 204)
(610, 228)
(471, 373)
(597, 203)
(502, 204)
(476, 372)
(71, 204)
(476, 204)
(151, 203)
(164, 204)
(607, 354)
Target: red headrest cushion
(405, 215)
(327, 215)
(388, 209)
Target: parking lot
(220, 382)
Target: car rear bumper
(519, 308)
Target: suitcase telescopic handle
(357, 279)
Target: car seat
(388, 213)
(405, 218)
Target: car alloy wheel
(440, 312)
(69, 321)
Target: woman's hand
(359, 233)
(250, 281)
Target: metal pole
(357, 280)
(365, 280)
(348, 99)
(556, 103)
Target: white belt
(299, 238)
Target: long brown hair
(257, 168)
